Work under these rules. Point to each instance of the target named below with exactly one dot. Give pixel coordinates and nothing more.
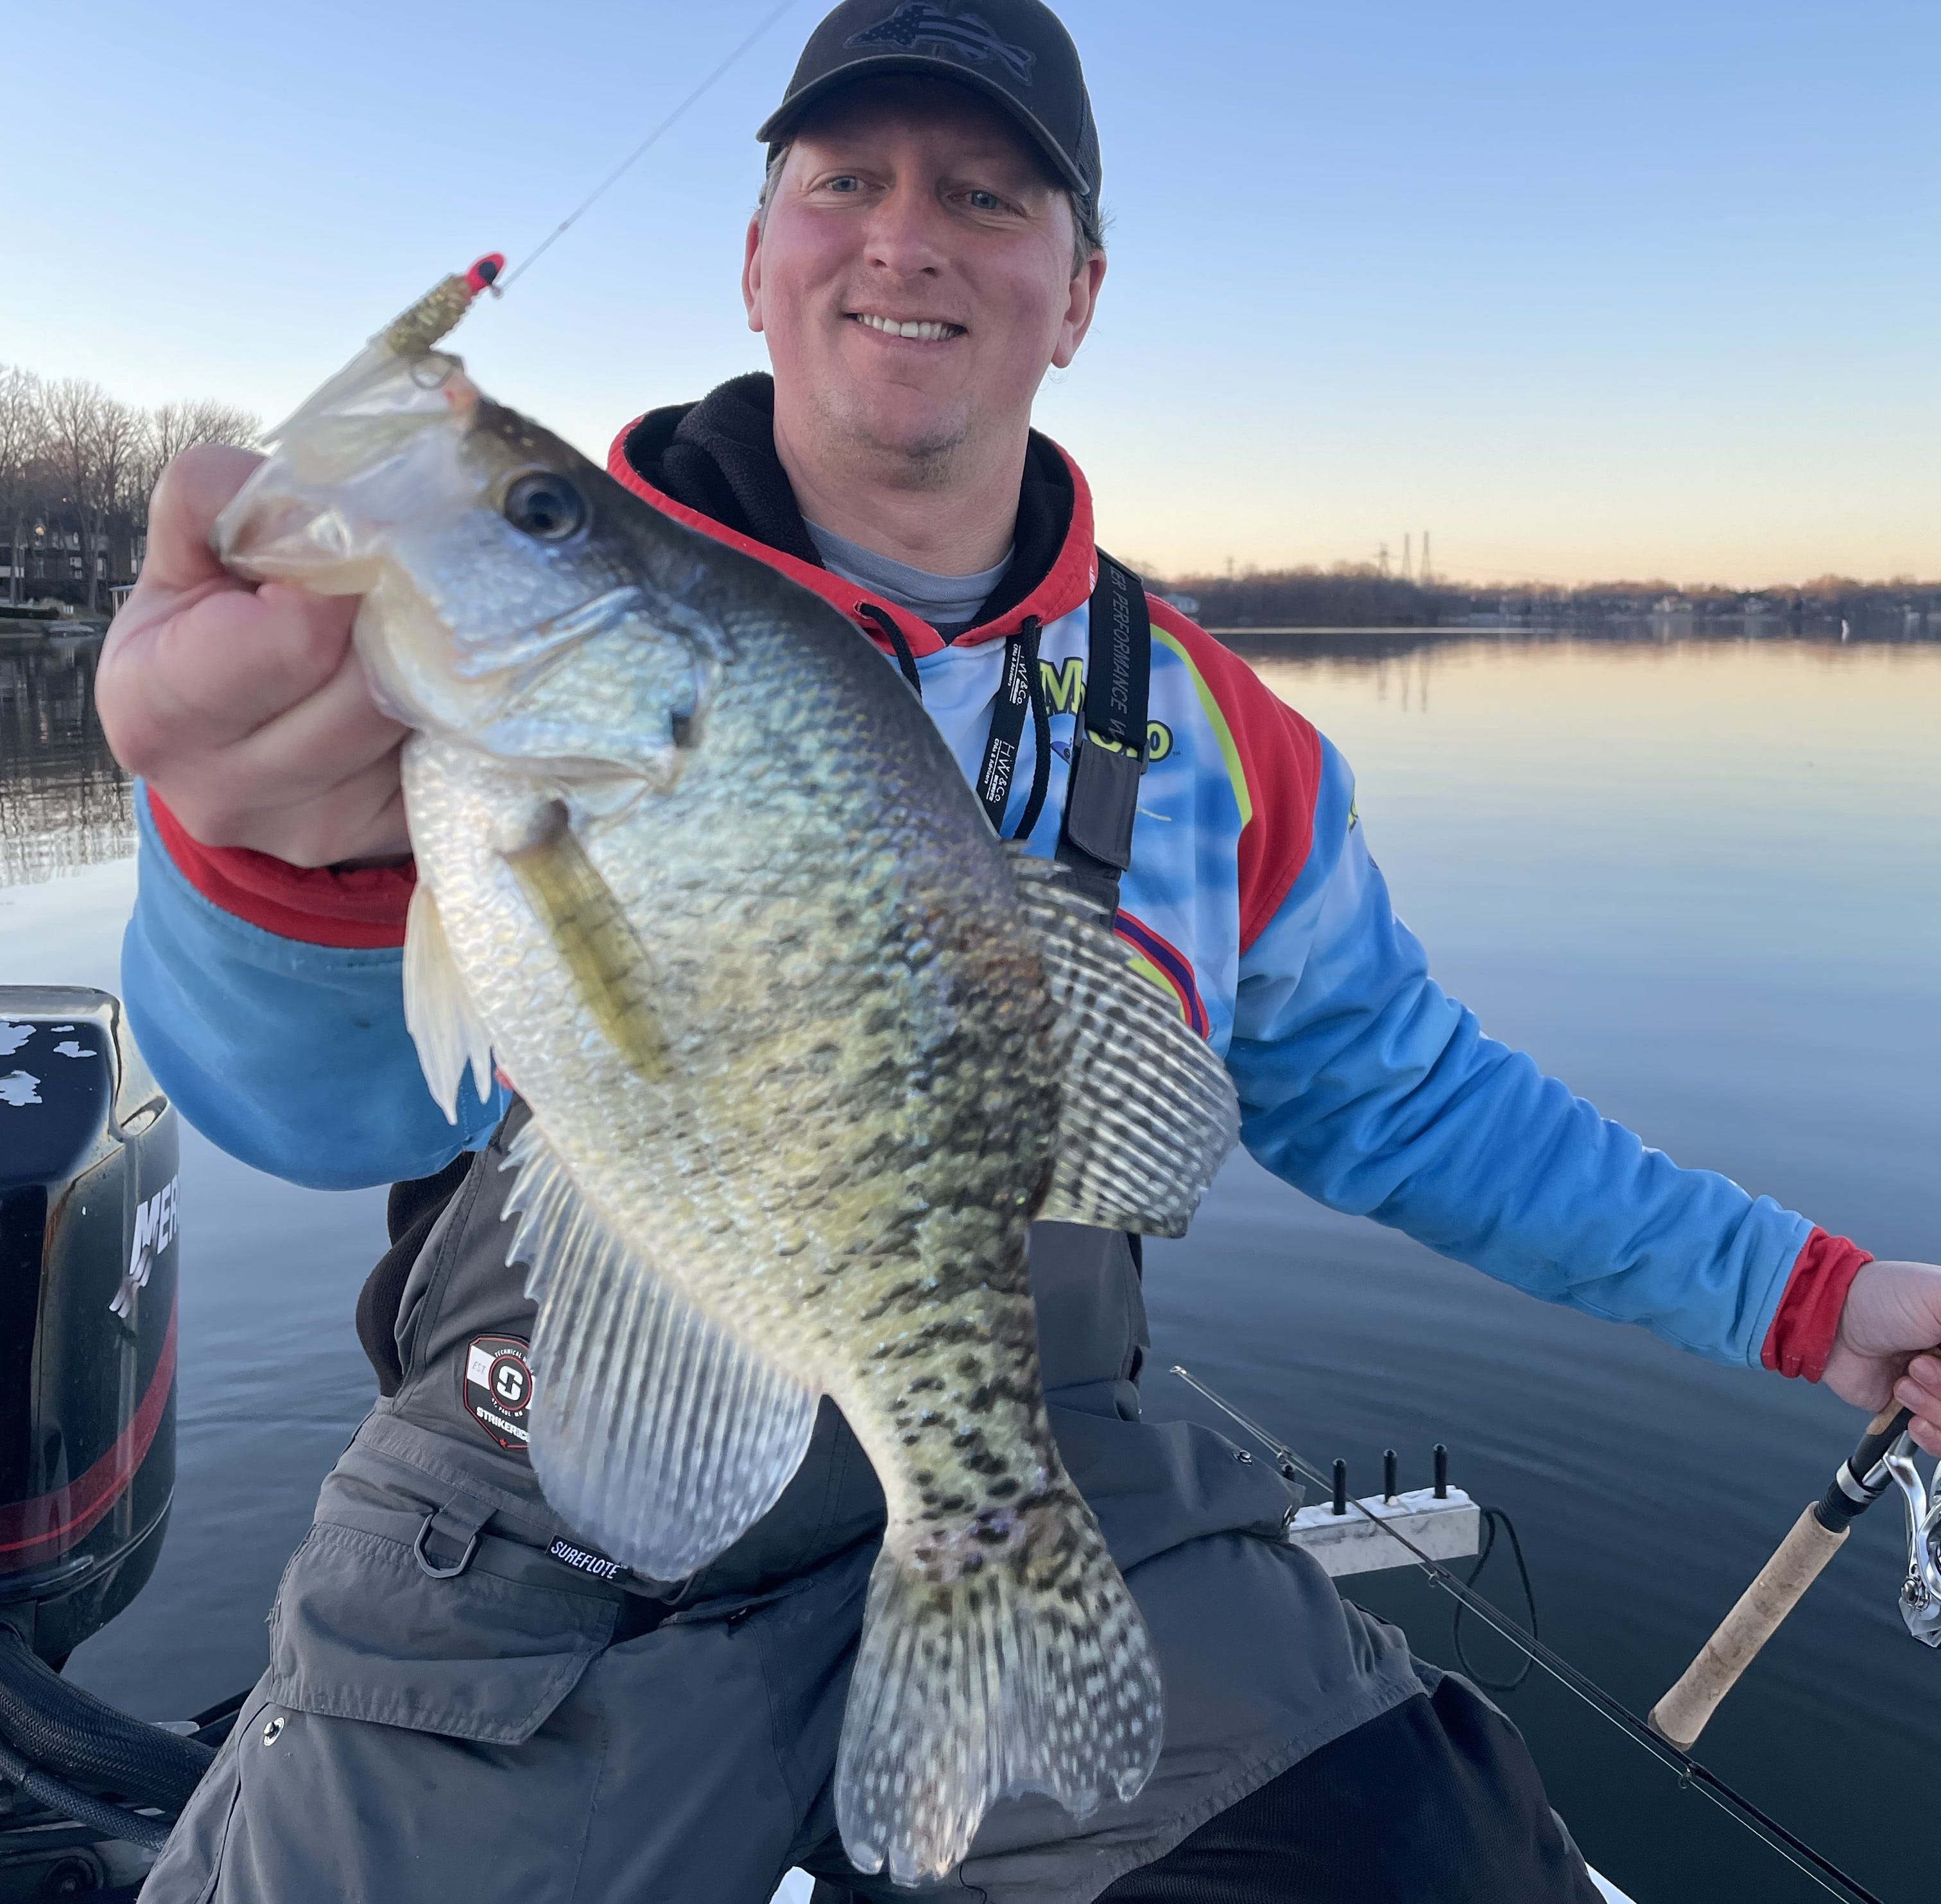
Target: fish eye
(545, 506)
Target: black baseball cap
(1016, 53)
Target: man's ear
(751, 273)
(1078, 310)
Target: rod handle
(1681, 1715)
(1886, 1428)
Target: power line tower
(1428, 574)
(1407, 570)
(1381, 560)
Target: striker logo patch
(498, 1387)
(917, 23)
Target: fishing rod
(1821, 1870)
(1883, 1458)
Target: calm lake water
(1699, 880)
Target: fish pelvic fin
(1031, 1671)
(609, 965)
(444, 1023)
(656, 1433)
(1149, 1111)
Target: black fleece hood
(718, 456)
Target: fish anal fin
(656, 1433)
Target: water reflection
(1680, 632)
(1700, 879)
(64, 800)
(1404, 661)
(1698, 876)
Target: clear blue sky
(1650, 288)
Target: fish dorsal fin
(1149, 1112)
(656, 1434)
(443, 1021)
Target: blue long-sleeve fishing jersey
(269, 1002)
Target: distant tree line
(76, 468)
(1359, 595)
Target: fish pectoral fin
(444, 1023)
(1149, 1112)
(577, 907)
(656, 1434)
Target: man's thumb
(190, 495)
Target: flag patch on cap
(918, 22)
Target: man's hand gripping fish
(806, 1050)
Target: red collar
(1067, 583)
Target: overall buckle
(460, 1521)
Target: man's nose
(907, 232)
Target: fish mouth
(275, 529)
(919, 330)
(354, 456)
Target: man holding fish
(708, 933)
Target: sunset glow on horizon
(1585, 297)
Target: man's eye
(847, 182)
(986, 201)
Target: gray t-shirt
(949, 603)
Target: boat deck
(797, 1885)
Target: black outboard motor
(88, 1151)
(88, 1254)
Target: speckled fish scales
(806, 1051)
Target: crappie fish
(805, 1049)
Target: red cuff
(1808, 1316)
(363, 908)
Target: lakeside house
(50, 562)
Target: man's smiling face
(913, 278)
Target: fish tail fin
(1032, 1672)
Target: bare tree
(95, 439)
(22, 434)
(77, 468)
(167, 430)
(229, 423)
(173, 428)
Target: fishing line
(640, 152)
(1742, 1809)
